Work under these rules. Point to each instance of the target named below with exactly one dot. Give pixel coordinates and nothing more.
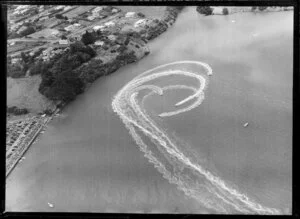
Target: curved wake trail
(170, 158)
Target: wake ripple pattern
(171, 158)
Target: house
(112, 37)
(63, 42)
(67, 8)
(54, 32)
(98, 27)
(114, 10)
(109, 24)
(15, 60)
(130, 14)
(97, 9)
(99, 43)
(69, 28)
(92, 17)
(140, 22)
(47, 51)
(59, 7)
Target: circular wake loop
(170, 158)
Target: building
(140, 23)
(95, 28)
(47, 51)
(54, 32)
(92, 17)
(97, 9)
(67, 8)
(63, 42)
(130, 14)
(115, 10)
(112, 37)
(99, 43)
(109, 24)
(15, 60)
(70, 28)
(59, 7)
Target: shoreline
(235, 10)
(167, 20)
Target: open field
(47, 33)
(23, 93)
(23, 46)
(77, 11)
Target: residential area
(54, 52)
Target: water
(88, 161)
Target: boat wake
(177, 163)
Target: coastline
(234, 10)
(111, 66)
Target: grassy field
(77, 11)
(23, 46)
(23, 93)
(47, 33)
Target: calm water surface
(87, 161)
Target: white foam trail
(169, 158)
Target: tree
(59, 16)
(37, 68)
(206, 10)
(141, 15)
(253, 8)
(24, 57)
(27, 31)
(15, 71)
(262, 8)
(225, 11)
(13, 35)
(88, 38)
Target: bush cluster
(206, 10)
(16, 111)
(59, 80)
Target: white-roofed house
(95, 28)
(63, 42)
(130, 14)
(109, 24)
(92, 17)
(99, 43)
(112, 37)
(97, 9)
(114, 10)
(140, 22)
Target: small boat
(209, 73)
(50, 205)
(246, 124)
(233, 21)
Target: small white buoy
(246, 124)
(50, 205)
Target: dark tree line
(59, 80)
